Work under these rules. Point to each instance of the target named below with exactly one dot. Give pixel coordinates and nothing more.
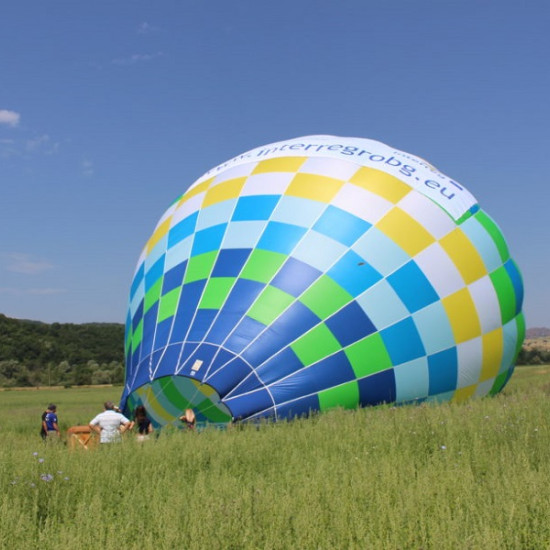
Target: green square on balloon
(152, 296)
(215, 292)
(345, 396)
(262, 265)
(368, 355)
(505, 293)
(168, 304)
(199, 267)
(269, 305)
(137, 336)
(315, 345)
(495, 233)
(325, 296)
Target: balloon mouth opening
(166, 399)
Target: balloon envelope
(320, 272)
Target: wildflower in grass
(32, 484)
(443, 448)
(46, 477)
(35, 454)
(40, 460)
(66, 478)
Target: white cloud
(42, 143)
(25, 264)
(10, 118)
(136, 58)
(146, 28)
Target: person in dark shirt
(50, 427)
(144, 425)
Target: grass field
(466, 476)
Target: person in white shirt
(109, 424)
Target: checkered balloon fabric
(315, 273)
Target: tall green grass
(466, 476)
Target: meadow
(468, 476)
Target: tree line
(534, 355)
(41, 354)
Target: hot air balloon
(320, 272)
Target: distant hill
(537, 332)
(34, 353)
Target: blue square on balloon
(515, 277)
(136, 353)
(353, 273)
(137, 316)
(412, 287)
(377, 389)
(350, 324)
(341, 226)
(255, 207)
(299, 407)
(230, 261)
(138, 278)
(162, 333)
(246, 405)
(149, 329)
(154, 273)
(182, 229)
(327, 373)
(242, 296)
(280, 237)
(167, 360)
(208, 240)
(201, 323)
(189, 299)
(294, 277)
(225, 378)
(279, 366)
(294, 322)
(173, 277)
(443, 371)
(403, 342)
(243, 335)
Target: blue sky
(110, 110)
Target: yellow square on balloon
(405, 231)
(226, 190)
(382, 184)
(314, 187)
(462, 314)
(282, 164)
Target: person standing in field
(144, 425)
(109, 424)
(50, 427)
